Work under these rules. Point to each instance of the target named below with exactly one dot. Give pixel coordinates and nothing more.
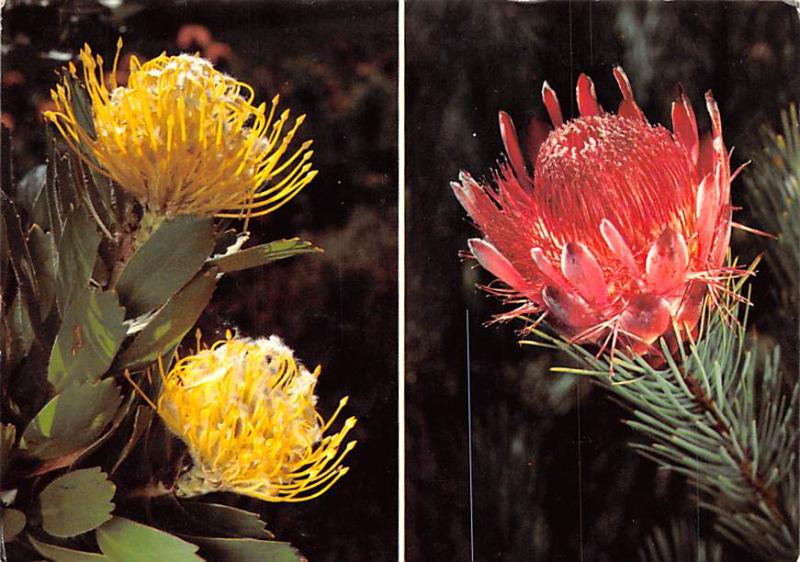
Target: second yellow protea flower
(247, 411)
(184, 138)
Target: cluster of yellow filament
(247, 412)
(184, 138)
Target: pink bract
(617, 228)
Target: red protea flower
(620, 229)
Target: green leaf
(84, 451)
(263, 254)
(40, 213)
(246, 550)
(59, 194)
(45, 262)
(227, 520)
(81, 105)
(165, 263)
(123, 540)
(170, 324)
(77, 252)
(61, 554)
(97, 201)
(8, 433)
(71, 420)
(45, 211)
(13, 522)
(141, 423)
(30, 187)
(20, 331)
(77, 502)
(88, 340)
(19, 254)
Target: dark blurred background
(554, 479)
(337, 62)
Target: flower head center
(608, 166)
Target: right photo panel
(603, 258)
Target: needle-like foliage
(677, 543)
(774, 197)
(719, 413)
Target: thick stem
(131, 240)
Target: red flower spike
(713, 112)
(587, 99)
(684, 125)
(619, 228)
(623, 82)
(466, 196)
(705, 158)
(509, 134)
(723, 239)
(627, 107)
(707, 208)
(551, 103)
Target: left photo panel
(198, 268)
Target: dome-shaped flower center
(177, 111)
(620, 169)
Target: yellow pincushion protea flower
(247, 411)
(183, 139)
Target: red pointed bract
(667, 261)
(493, 261)
(551, 104)
(511, 142)
(568, 309)
(550, 274)
(684, 125)
(616, 243)
(645, 318)
(705, 157)
(623, 82)
(587, 98)
(581, 269)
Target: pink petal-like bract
(610, 227)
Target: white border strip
(401, 268)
